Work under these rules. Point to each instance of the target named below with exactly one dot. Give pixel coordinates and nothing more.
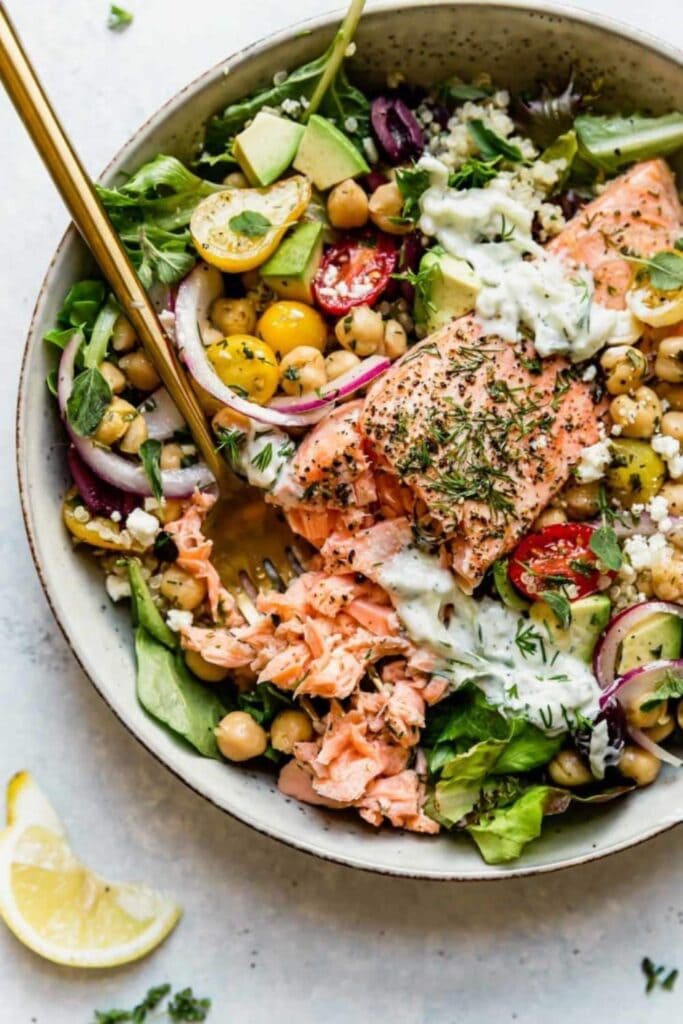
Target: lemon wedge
(58, 907)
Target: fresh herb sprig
(119, 18)
(150, 456)
(658, 976)
(604, 542)
(664, 270)
(250, 223)
(183, 1006)
(492, 145)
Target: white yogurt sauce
(264, 456)
(523, 285)
(477, 644)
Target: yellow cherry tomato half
(246, 364)
(97, 531)
(287, 325)
(239, 228)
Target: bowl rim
(325, 20)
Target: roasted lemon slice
(238, 229)
(58, 907)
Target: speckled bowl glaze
(517, 45)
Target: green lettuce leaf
(612, 142)
(502, 835)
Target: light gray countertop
(270, 934)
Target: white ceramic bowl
(427, 41)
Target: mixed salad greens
(325, 241)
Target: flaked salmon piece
(217, 646)
(295, 781)
(398, 798)
(638, 212)
(484, 434)
(378, 619)
(287, 668)
(345, 761)
(194, 556)
(368, 550)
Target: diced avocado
(292, 267)
(145, 612)
(505, 588)
(657, 637)
(636, 473)
(590, 615)
(448, 289)
(326, 156)
(267, 147)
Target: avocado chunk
(292, 267)
(449, 289)
(590, 615)
(505, 588)
(656, 638)
(144, 611)
(267, 147)
(326, 156)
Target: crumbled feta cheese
(178, 620)
(291, 107)
(589, 374)
(117, 587)
(115, 516)
(371, 150)
(152, 505)
(593, 462)
(142, 527)
(616, 429)
(646, 552)
(670, 450)
(350, 50)
(351, 125)
(658, 508)
(81, 514)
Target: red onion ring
(606, 653)
(114, 469)
(348, 383)
(654, 748)
(638, 681)
(196, 293)
(161, 415)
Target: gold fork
(252, 542)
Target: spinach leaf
(150, 456)
(170, 694)
(144, 612)
(490, 144)
(250, 223)
(412, 183)
(611, 142)
(118, 18)
(323, 86)
(151, 213)
(89, 398)
(264, 702)
(79, 311)
(605, 546)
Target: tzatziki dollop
(479, 641)
(522, 285)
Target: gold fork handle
(90, 218)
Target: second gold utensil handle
(80, 197)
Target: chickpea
(234, 316)
(139, 371)
(672, 425)
(395, 342)
(569, 769)
(639, 765)
(340, 362)
(204, 670)
(638, 416)
(386, 209)
(581, 501)
(667, 578)
(303, 370)
(118, 416)
(235, 180)
(669, 361)
(134, 436)
(239, 737)
(674, 498)
(347, 205)
(361, 331)
(289, 728)
(550, 517)
(662, 730)
(171, 457)
(123, 337)
(639, 719)
(625, 368)
(182, 590)
(671, 393)
(113, 376)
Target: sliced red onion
(114, 469)
(348, 383)
(639, 681)
(654, 748)
(195, 295)
(607, 651)
(161, 415)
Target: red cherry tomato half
(557, 558)
(354, 272)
